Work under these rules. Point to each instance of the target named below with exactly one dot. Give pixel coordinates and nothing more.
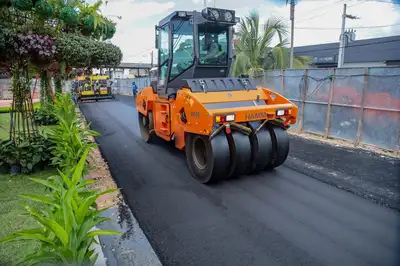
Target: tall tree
(254, 50)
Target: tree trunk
(58, 84)
(22, 124)
(45, 93)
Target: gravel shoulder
(364, 173)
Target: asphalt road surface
(277, 218)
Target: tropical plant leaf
(103, 233)
(77, 175)
(57, 229)
(41, 199)
(109, 191)
(84, 208)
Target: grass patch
(4, 125)
(11, 208)
(6, 109)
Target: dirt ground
(345, 143)
(102, 175)
(104, 180)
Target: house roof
(368, 50)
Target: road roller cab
(227, 126)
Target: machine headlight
(228, 16)
(215, 14)
(182, 14)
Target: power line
(316, 16)
(350, 46)
(360, 27)
(142, 52)
(359, 3)
(321, 7)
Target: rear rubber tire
(263, 151)
(240, 151)
(146, 125)
(208, 161)
(280, 143)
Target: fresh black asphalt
(278, 218)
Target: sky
(316, 21)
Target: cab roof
(172, 15)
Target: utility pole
(343, 37)
(151, 54)
(291, 32)
(205, 3)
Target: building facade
(377, 52)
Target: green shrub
(79, 51)
(45, 115)
(69, 16)
(88, 23)
(44, 9)
(23, 5)
(70, 139)
(26, 155)
(65, 219)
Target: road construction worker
(134, 89)
(86, 86)
(214, 52)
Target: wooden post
(328, 112)
(303, 101)
(361, 116)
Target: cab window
(213, 44)
(183, 50)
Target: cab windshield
(213, 44)
(102, 82)
(182, 47)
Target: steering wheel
(215, 60)
(181, 66)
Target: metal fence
(5, 92)
(124, 86)
(361, 105)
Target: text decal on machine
(256, 116)
(195, 114)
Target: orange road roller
(227, 126)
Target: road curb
(130, 248)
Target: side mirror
(156, 36)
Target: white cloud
(135, 32)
